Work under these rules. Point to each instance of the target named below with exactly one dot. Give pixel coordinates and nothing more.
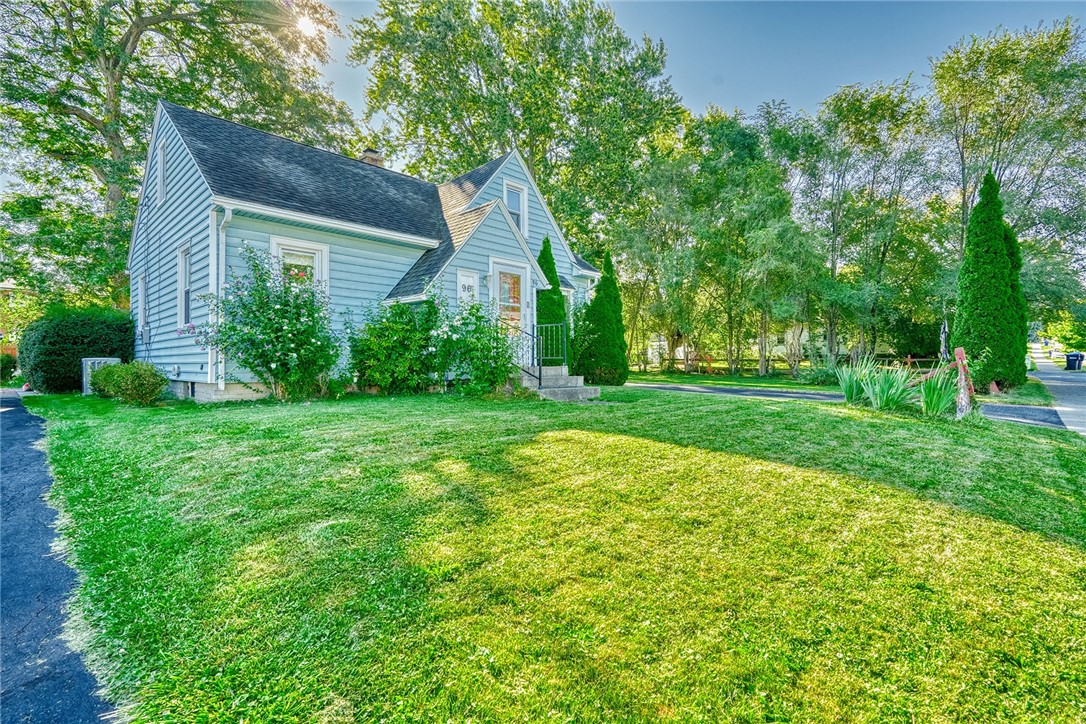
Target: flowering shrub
(276, 324)
(394, 351)
(472, 349)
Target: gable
(480, 233)
(541, 222)
(185, 186)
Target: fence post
(964, 398)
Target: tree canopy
(78, 89)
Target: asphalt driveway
(41, 678)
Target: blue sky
(738, 54)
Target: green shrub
(473, 350)
(275, 323)
(939, 393)
(394, 351)
(599, 340)
(550, 306)
(889, 390)
(102, 381)
(818, 375)
(52, 348)
(851, 378)
(7, 367)
(136, 383)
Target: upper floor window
(301, 260)
(516, 200)
(160, 173)
(184, 286)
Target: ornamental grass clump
(851, 378)
(938, 394)
(275, 323)
(889, 390)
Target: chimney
(373, 158)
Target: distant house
(372, 234)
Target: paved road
(1025, 414)
(1069, 388)
(41, 679)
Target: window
(509, 301)
(184, 286)
(516, 200)
(160, 173)
(467, 286)
(301, 260)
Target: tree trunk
(763, 344)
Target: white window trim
(160, 173)
(474, 276)
(182, 253)
(523, 210)
(281, 243)
(141, 302)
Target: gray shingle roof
(243, 163)
(430, 264)
(582, 263)
(456, 194)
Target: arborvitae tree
(550, 308)
(989, 322)
(550, 304)
(1018, 300)
(600, 338)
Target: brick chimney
(373, 158)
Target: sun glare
(307, 26)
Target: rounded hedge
(137, 383)
(7, 367)
(53, 346)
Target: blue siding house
(373, 235)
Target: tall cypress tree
(1017, 368)
(990, 322)
(550, 308)
(600, 341)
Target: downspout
(220, 282)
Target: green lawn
(1032, 393)
(653, 557)
(778, 381)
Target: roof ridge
(454, 179)
(296, 143)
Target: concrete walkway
(1069, 389)
(41, 679)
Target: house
(373, 235)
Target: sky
(740, 54)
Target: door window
(509, 298)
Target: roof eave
(334, 224)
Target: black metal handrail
(545, 345)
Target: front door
(509, 293)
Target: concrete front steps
(558, 384)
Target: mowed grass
(1033, 392)
(777, 381)
(657, 556)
